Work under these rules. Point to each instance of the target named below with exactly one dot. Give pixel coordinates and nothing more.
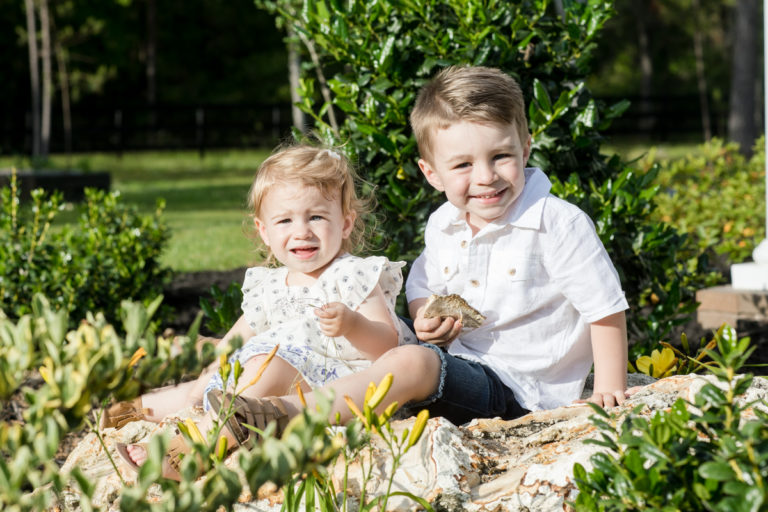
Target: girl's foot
(135, 455)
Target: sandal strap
(257, 412)
(177, 449)
(121, 413)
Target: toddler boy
(529, 261)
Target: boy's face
(480, 167)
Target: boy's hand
(605, 399)
(335, 319)
(440, 331)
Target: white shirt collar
(525, 212)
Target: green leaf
(720, 471)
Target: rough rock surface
(487, 465)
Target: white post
(754, 276)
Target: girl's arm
(241, 329)
(369, 329)
(609, 349)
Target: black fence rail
(137, 127)
(141, 127)
(663, 118)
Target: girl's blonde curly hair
(328, 170)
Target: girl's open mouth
(304, 252)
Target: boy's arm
(609, 349)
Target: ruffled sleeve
(353, 279)
(253, 305)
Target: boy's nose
(484, 173)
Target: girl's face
(303, 228)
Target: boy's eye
(462, 165)
(316, 217)
(284, 221)
(501, 156)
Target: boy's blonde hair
(474, 93)
(327, 170)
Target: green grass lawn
(630, 149)
(205, 199)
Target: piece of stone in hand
(454, 306)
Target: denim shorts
(467, 390)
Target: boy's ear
(527, 150)
(432, 177)
(262, 229)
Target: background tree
(742, 126)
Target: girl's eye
(316, 217)
(284, 221)
(462, 165)
(501, 156)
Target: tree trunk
(294, 73)
(646, 64)
(34, 75)
(325, 91)
(701, 77)
(741, 116)
(45, 56)
(66, 109)
(151, 69)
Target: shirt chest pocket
(514, 269)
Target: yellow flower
(401, 174)
(418, 427)
(663, 363)
(261, 369)
(374, 400)
(140, 352)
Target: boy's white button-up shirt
(540, 275)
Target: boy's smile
(480, 167)
(303, 228)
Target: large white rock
(488, 465)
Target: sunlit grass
(632, 149)
(205, 199)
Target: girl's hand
(335, 319)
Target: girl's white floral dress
(283, 315)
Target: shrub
(84, 367)
(112, 255)
(718, 197)
(377, 55)
(707, 455)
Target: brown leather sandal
(120, 414)
(177, 448)
(257, 412)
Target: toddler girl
(330, 313)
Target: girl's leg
(416, 372)
(278, 379)
(161, 402)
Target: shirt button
(512, 271)
(463, 244)
(475, 283)
(446, 270)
